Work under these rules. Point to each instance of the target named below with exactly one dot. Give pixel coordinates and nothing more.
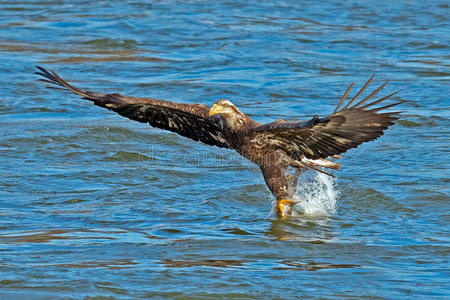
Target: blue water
(94, 205)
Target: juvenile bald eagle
(274, 146)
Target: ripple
(128, 156)
(313, 266)
(115, 264)
(219, 263)
(81, 59)
(112, 43)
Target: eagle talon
(284, 207)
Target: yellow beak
(215, 110)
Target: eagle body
(274, 147)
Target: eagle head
(229, 113)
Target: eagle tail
(321, 163)
(316, 163)
(321, 171)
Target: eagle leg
(284, 206)
(281, 186)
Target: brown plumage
(274, 146)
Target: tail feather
(321, 163)
(316, 163)
(321, 171)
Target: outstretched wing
(346, 128)
(189, 120)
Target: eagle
(275, 147)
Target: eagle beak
(214, 110)
(284, 208)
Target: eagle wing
(347, 127)
(189, 120)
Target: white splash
(316, 195)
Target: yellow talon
(282, 210)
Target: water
(94, 205)
(316, 196)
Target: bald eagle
(274, 147)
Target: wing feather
(189, 120)
(345, 128)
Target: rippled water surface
(95, 205)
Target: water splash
(316, 195)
